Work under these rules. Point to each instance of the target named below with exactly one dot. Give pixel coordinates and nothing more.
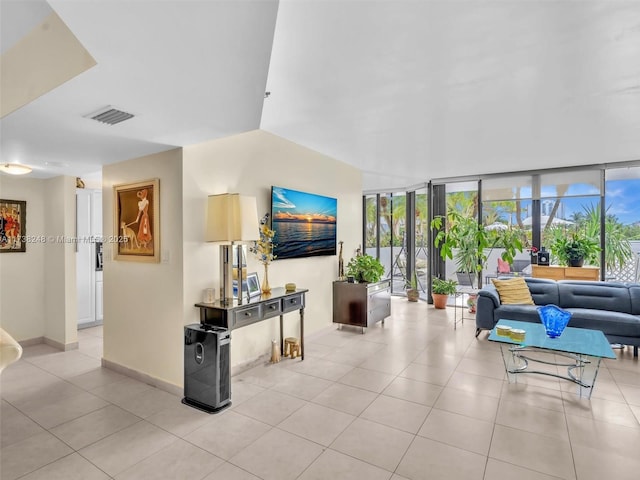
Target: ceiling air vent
(110, 115)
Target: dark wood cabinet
(361, 304)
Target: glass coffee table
(580, 350)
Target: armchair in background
(10, 350)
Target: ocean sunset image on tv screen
(305, 223)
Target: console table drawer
(294, 302)
(272, 308)
(246, 316)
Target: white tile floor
(411, 400)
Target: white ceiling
(404, 90)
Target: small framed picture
(13, 219)
(253, 285)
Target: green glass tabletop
(573, 340)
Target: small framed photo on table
(253, 285)
(250, 286)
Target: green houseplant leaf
(575, 247)
(365, 268)
(443, 287)
(471, 241)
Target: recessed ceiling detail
(47, 57)
(110, 115)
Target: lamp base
(226, 274)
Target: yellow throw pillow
(513, 291)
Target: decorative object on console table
(253, 285)
(208, 295)
(250, 286)
(533, 251)
(232, 219)
(266, 288)
(263, 249)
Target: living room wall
(143, 301)
(250, 164)
(37, 287)
(22, 283)
(61, 303)
(146, 305)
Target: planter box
(361, 304)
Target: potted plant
(573, 249)
(472, 243)
(413, 294)
(365, 268)
(440, 291)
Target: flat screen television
(305, 223)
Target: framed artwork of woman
(137, 221)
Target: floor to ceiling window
(386, 236)
(570, 206)
(622, 224)
(371, 225)
(541, 208)
(385, 219)
(462, 198)
(398, 243)
(507, 207)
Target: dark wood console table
(256, 310)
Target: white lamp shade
(232, 218)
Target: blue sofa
(613, 308)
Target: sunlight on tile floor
(414, 399)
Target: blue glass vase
(554, 319)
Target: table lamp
(232, 219)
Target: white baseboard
(53, 343)
(31, 341)
(249, 364)
(143, 377)
(61, 346)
